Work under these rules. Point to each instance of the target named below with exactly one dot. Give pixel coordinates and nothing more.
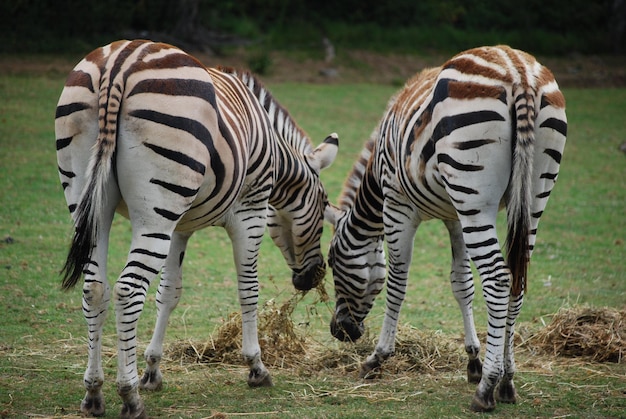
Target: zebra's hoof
(474, 371)
(133, 411)
(93, 405)
(483, 404)
(505, 392)
(151, 380)
(369, 372)
(261, 378)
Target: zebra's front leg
(145, 260)
(168, 296)
(462, 282)
(371, 367)
(399, 233)
(246, 241)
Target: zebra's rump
(158, 116)
(451, 131)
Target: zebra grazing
(484, 131)
(145, 130)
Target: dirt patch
(354, 66)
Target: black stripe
(191, 126)
(176, 87)
(470, 144)
(468, 212)
(548, 176)
(446, 125)
(135, 264)
(63, 142)
(159, 236)
(557, 124)
(65, 110)
(177, 189)
(488, 242)
(460, 188)
(477, 229)
(447, 159)
(66, 173)
(167, 214)
(556, 155)
(178, 157)
(149, 253)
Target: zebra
(145, 130)
(458, 143)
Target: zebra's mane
(355, 177)
(283, 123)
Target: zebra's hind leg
(96, 298)
(168, 296)
(505, 391)
(479, 234)
(149, 249)
(462, 282)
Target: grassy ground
(579, 261)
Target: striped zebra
(459, 142)
(145, 130)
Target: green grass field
(579, 260)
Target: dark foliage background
(539, 26)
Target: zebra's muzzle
(346, 330)
(309, 278)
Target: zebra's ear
(325, 153)
(332, 214)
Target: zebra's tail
(520, 189)
(89, 209)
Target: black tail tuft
(80, 250)
(518, 256)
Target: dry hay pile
(415, 351)
(280, 344)
(597, 333)
(286, 346)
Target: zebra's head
(358, 262)
(296, 228)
